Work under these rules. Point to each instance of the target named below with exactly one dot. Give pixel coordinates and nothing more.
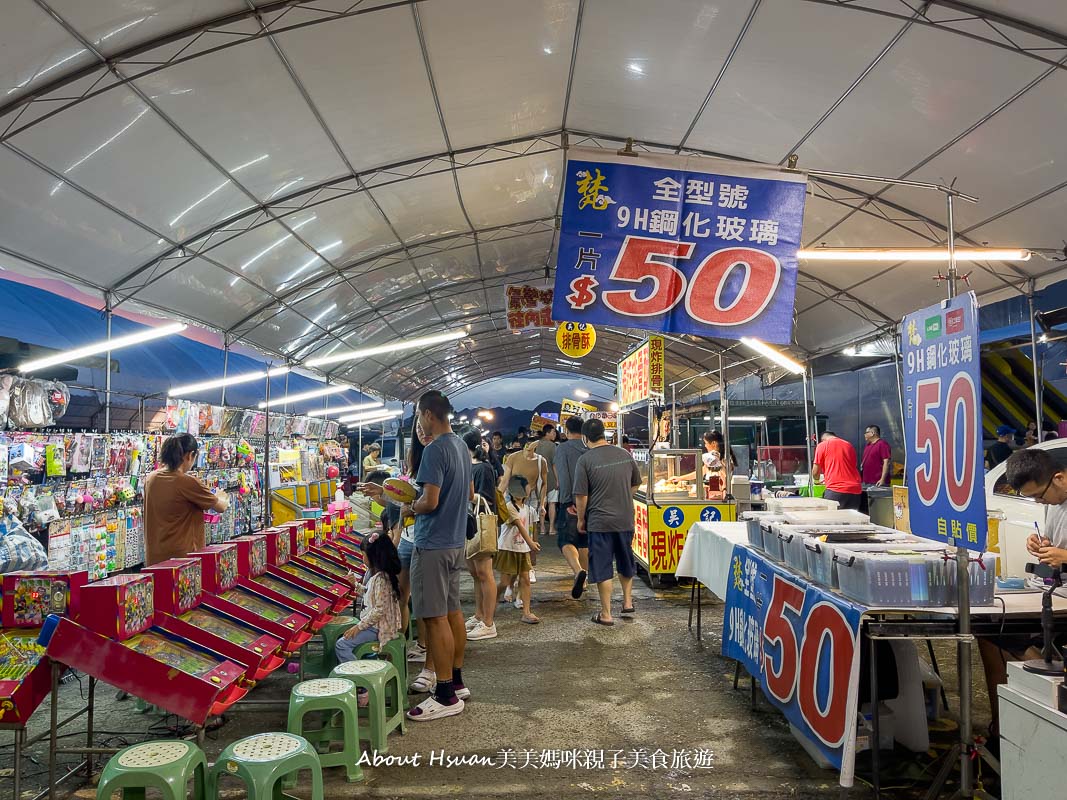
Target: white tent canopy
(313, 175)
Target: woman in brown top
(175, 502)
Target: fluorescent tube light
(403, 344)
(104, 346)
(319, 412)
(911, 254)
(582, 393)
(781, 359)
(245, 377)
(296, 398)
(380, 412)
(741, 418)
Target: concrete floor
(565, 685)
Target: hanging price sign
(679, 244)
(942, 413)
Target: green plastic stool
(333, 696)
(263, 762)
(166, 765)
(395, 652)
(331, 632)
(385, 711)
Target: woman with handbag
(482, 548)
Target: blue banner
(943, 428)
(801, 641)
(679, 244)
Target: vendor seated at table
(714, 467)
(1037, 475)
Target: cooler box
(782, 504)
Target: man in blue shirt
(438, 560)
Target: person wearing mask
(573, 545)
(877, 460)
(480, 564)
(546, 448)
(1038, 476)
(440, 536)
(714, 466)
(175, 502)
(497, 452)
(835, 463)
(1001, 449)
(605, 480)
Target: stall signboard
(529, 307)
(680, 244)
(801, 642)
(575, 339)
(640, 374)
(640, 542)
(943, 418)
(669, 524)
(538, 422)
(573, 408)
(609, 418)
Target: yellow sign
(641, 374)
(575, 339)
(573, 408)
(659, 533)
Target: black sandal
(596, 618)
(630, 610)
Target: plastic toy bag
(6, 383)
(18, 549)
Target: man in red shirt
(835, 462)
(877, 458)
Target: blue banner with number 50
(943, 423)
(679, 244)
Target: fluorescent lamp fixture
(484, 414)
(477, 423)
(451, 416)
(911, 254)
(740, 418)
(582, 393)
(403, 344)
(614, 406)
(463, 418)
(320, 412)
(104, 346)
(296, 398)
(849, 351)
(232, 380)
(369, 416)
(781, 359)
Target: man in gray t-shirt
(605, 479)
(573, 545)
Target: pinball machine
(25, 672)
(178, 595)
(219, 579)
(252, 569)
(280, 563)
(117, 640)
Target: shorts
(404, 550)
(567, 529)
(604, 548)
(435, 581)
(553, 496)
(850, 501)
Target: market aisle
(569, 685)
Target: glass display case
(677, 476)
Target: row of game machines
(190, 635)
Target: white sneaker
(518, 603)
(507, 595)
(481, 631)
(472, 623)
(416, 652)
(463, 694)
(533, 578)
(425, 681)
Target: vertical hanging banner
(529, 307)
(942, 414)
(679, 244)
(640, 374)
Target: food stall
(674, 489)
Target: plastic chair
(395, 651)
(333, 696)
(166, 765)
(265, 760)
(386, 695)
(331, 632)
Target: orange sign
(528, 307)
(640, 374)
(640, 545)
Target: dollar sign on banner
(582, 294)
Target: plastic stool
(331, 632)
(264, 760)
(395, 651)
(385, 711)
(165, 765)
(331, 695)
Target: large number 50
(951, 446)
(639, 260)
(800, 663)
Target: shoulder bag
(486, 523)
